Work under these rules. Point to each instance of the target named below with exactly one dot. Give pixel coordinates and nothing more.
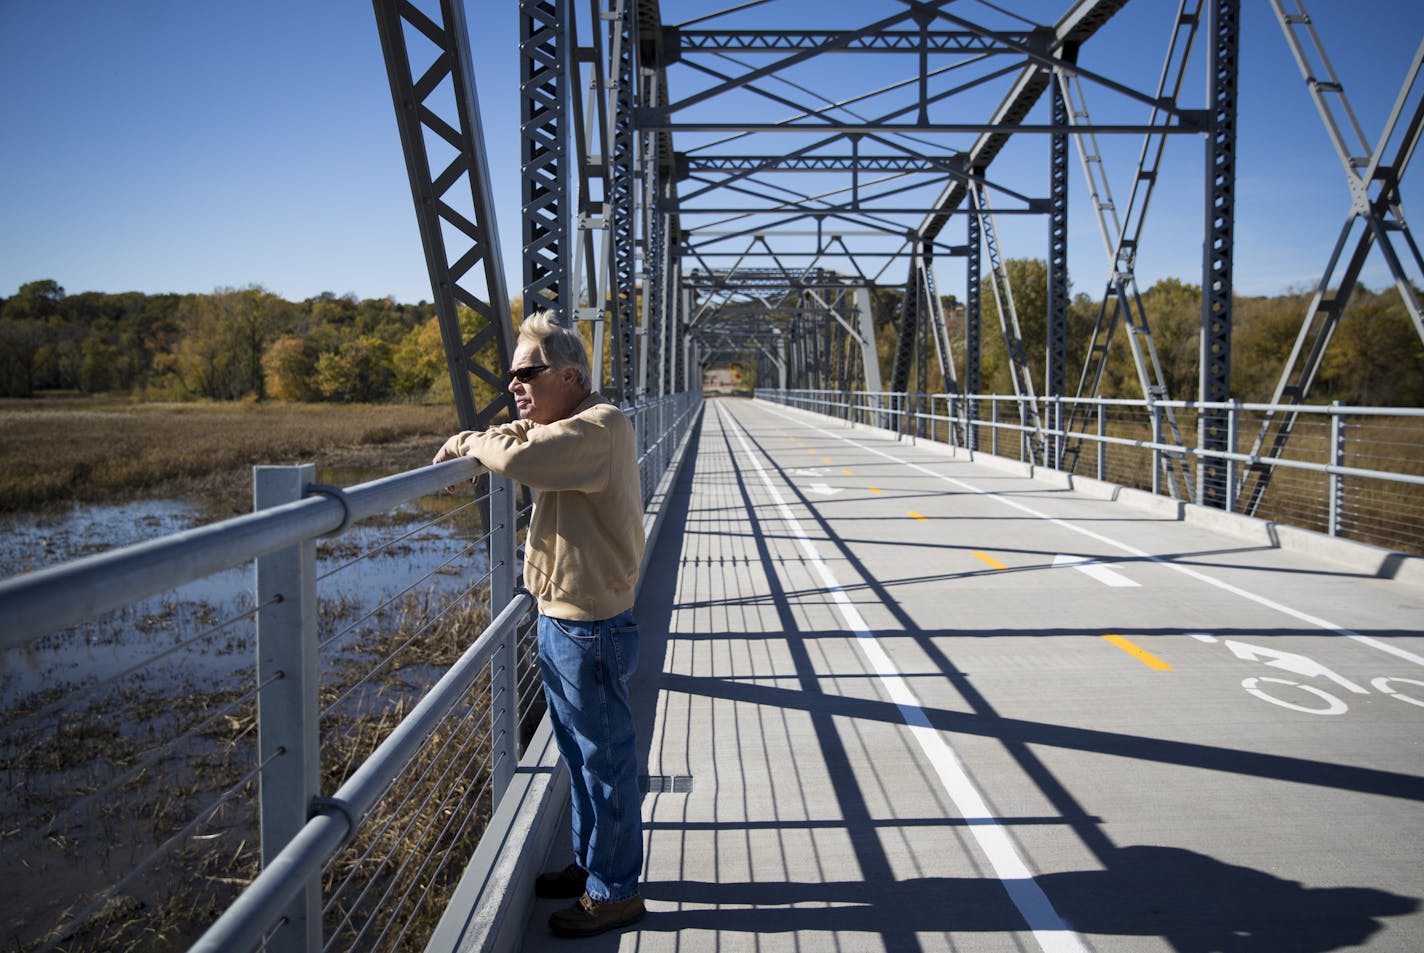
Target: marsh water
(98, 721)
(347, 586)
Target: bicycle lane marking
(1048, 928)
(1257, 598)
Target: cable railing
(1350, 472)
(304, 716)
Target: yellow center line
(1141, 654)
(916, 515)
(875, 489)
(991, 560)
(847, 473)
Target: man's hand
(443, 454)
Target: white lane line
(1094, 569)
(1131, 550)
(1048, 928)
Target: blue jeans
(586, 666)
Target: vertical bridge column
(1220, 213)
(544, 161)
(1054, 383)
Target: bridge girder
(665, 163)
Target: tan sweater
(586, 535)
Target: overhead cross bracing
(875, 129)
(765, 282)
(672, 152)
(856, 150)
(658, 140)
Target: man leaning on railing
(577, 451)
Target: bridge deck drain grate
(665, 783)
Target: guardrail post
(1102, 453)
(1233, 430)
(287, 715)
(1337, 458)
(1156, 452)
(1060, 438)
(504, 672)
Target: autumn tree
(358, 371)
(1262, 335)
(26, 341)
(418, 361)
(289, 370)
(36, 300)
(22, 342)
(1173, 313)
(220, 354)
(1376, 355)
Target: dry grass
(59, 451)
(392, 882)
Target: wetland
(128, 744)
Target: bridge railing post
(288, 739)
(1060, 438)
(504, 674)
(1233, 432)
(1156, 449)
(1102, 454)
(1337, 458)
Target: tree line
(1375, 357)
(248, 343)
(228, 345)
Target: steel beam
(1075, 27)
(1373, 219)
(1217, 267)
(907, 331)
(882, 41)
(545, 166)
(973, 325)
(439, 198)
(1019, 370)
(1057, 323)
(622, 208)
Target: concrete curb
(1362, 558)
(490, 906)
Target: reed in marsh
(60, 451)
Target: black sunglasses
(526, 374)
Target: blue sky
(170, 145)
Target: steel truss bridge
(704, 188)
(713, 187)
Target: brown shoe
(561, 884)
(590, 917)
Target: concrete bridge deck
(895, 700)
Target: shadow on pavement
(1192, 901)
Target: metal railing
(411, 707)
(1351, 472)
